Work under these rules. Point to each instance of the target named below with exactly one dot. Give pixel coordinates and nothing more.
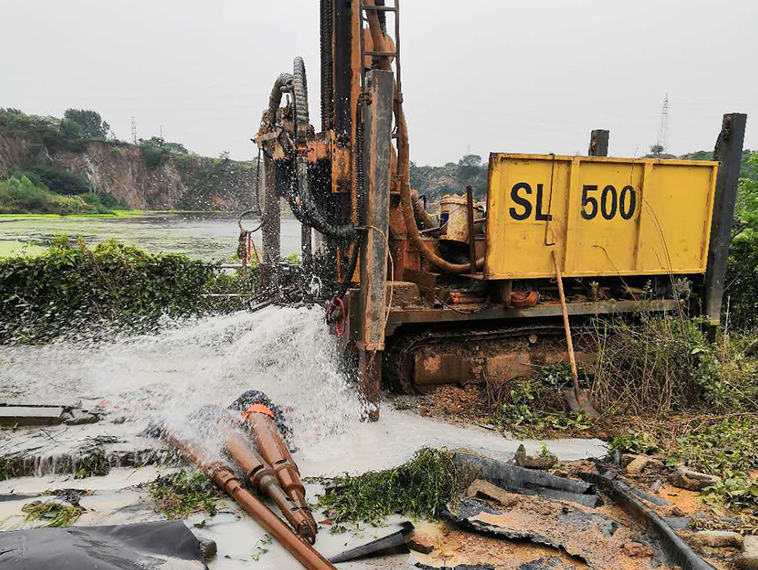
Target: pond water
(200, 235)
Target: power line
(663, 135)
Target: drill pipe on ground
(274, 451)
(262, 477)
(225, 479)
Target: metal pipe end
(307, 531)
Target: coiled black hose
(360, 204)
(308, 209)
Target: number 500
(610, 202)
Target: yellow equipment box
(603, 216)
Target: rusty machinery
(472, 295)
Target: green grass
(112, 214)
(180, 494)
(417, 489)
(54, 514)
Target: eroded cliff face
(178, 182)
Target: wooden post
(729, 152)
(599, 142)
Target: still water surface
(200, 235)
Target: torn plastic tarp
(165, 545)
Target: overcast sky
(478, 75)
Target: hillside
(152, 175)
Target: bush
(61, 181)
(663, 365)
(70, 129)
(70, 287)
(21, 195)
(152, 154)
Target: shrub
(61, 181)
(21, 195)
(658, 365)
(152, 154)
(70, 129)
(70, 287)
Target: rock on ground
(748, 559)
(692, 480)
(717, 538)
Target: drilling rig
(484, 291)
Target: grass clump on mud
(10, 467)
(92, 464)
(418, 489)
(52, 513)
(111, 287)
(181, 494)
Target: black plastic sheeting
(143, 545)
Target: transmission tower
(134, 130)
(663, 135)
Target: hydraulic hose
(359, 198)
(275, 99)
(309, 209)
(404, 165)
(419, 212)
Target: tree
(469, 166)
(91, 122)
(471, 160)
(657, 149)
(71, 129)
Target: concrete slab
(31, 415)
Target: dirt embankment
(121, 170)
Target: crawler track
(398, 358)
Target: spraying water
(162, 378)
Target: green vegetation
(53, 513)
(262, 547)
(10, 467)
(183, 493)
(70, 287)
(418, 489)
(88, 123)
(436, 181)
(741, 290)
(57, 180)
(20, 195)
(52, 133)
(533, 406)
(636, 441)
(155, 150)
(92, 464)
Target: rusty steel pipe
(274, 451)
(224, 478)
(403, 160)
(262, 477)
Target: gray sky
(484, 75)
